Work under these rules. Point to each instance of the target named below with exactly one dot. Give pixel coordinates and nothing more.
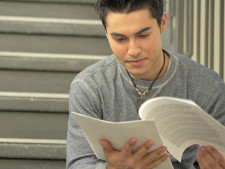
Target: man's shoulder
(196, 68)
(99, 69)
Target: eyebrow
(143, 30)
(138, 32)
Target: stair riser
(60, 1)
(33, 104)
(33, 125)
(54, 44)
(49, 10)
(43, 28)
(35, 81)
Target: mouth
(136, 62)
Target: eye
(120, 39)
(143, 35)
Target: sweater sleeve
(215, 103)
(79, 154)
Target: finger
(128, 148)
(216, 155)
(205, 159)
(152, 156)
(106, 145)
(200, 159)
(158, 161)
(212, 163)
(143, 149)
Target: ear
(106, 34)
(164, 22)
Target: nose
(133, 49)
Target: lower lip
(136, 64)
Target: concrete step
(33, 115)
(33, 125)
(44, 73)
(32, 149)
(51, 26)
(35, 81)
(33, 102)
(31, 164)
(54, 44)
(59, 1)
(49, 9)
(46, 61)
(32, 153)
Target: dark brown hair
(156, 8)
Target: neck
(165, 68)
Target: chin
(137, 75)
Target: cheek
(119, 53)
(151, 45)
(118, 49)
(157, 40)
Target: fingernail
(149, 144)
(164, 148)
(168, 154)
(133, 141)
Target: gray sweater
(104, 91)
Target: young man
(114, 88)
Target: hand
(209, 158)
(127, 159)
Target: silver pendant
(141, 100)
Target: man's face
(135, 39)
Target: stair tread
(47, 61)
(34, 95)
(33, 102)
(32, 141)
(34, 164)
(33, 150)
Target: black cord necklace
(142, 97)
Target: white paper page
(118, 133)
(182, 123)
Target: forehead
(123, 21)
